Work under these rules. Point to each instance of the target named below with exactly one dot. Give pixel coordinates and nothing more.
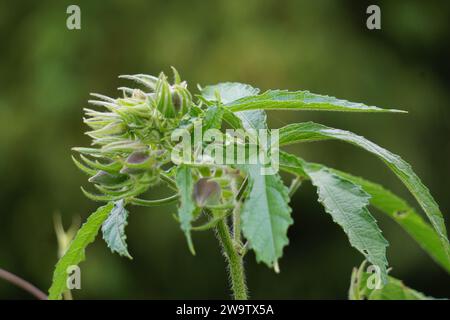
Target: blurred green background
(47, 72)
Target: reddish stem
(23, 284)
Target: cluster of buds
(131, 139)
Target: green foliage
(248, 209)
(228, 92)
(213, 117)
(364, 286)
(113, 229)
(266, 216)
(347, 203)
(388, 203)
(397, 209)
(76, 251)
(186, 210)
(300, 100)
(309, 131)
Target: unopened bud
(107, 179)
(206, 191)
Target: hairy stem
(236, 215)
(235, 261)
(23, 284)
(237, 224)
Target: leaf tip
(276, 267)
(398, 111)
(190, 245)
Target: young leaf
(299, 100)
(185, 185)
(213, 118)
(309, 131)
(266, 216)
(253, 119)
(387, 202)
(75, 253)
(347, 203)
(293, 164)
(164, 97)
(114, 229)
(228, 91)
(396, 290)
(362, 288)
(232, 91)
(231, 118)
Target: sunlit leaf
(299, 100)
(76, 251)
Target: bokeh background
(47, 72)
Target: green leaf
(76, 251)
(388, 203)
(228, 91)
(347, 204)
(292, 164)
(253, 119)
(309, 131)
(362, 288)
(396, 290)
(266, 216)
(232, 119)
(213, 118)
(267, 203)
(114, 229)
(231, 91)
(299, 100)
(185, 185)
(405, 216)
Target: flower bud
(113, 128)
(206, 191)
(107, 179)
(131, 139)
(138, 159)
(137, 163)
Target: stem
(23, 284)
(237, 223)
(67, 295)
(235, 263)
(236, 214)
